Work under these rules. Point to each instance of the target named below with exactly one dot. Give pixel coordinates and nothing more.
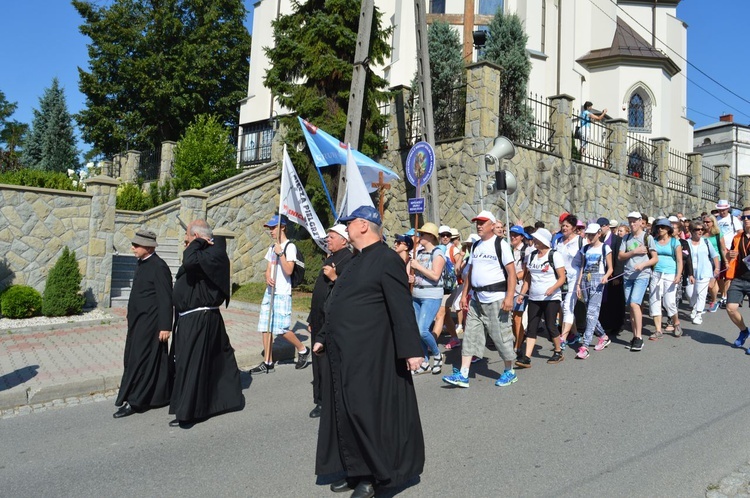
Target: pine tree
(506, 47)
(62, 293)
(12, 134)
(50, 145)
(311, 73)
(155, 66)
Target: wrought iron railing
(710, 182)
(641, 157)
(593, 143)
(449, 111)
(384, 133)
(678, 174)
(414, 121)
(542, 116)
(255, 143)
(150, 164)
(736, 186)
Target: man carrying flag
(276, 307)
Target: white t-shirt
(594, 259)
(542, 276)
(728, 225)
(569, 252)
(486, 270)
(283, 282)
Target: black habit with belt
(369, 425)
(207, 380)
(322, 288)
(146, 380)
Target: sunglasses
(697, 229)
(745, 217)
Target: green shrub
(62, 294)
(131, 197)
(38, 178)
(20, 301)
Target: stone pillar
(661, 157)
(129, 165)
(482, 100)
(695, 174)
(118, 164)
(167, 159)
(106, 168)
(618, 141)
(231, 239)
(193, 206)
(562, 124)
(98, 278)
(722, 171)
(745, 191)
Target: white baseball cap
(341, 230)
(593, 228)
(444, 229)
(484, 216)
(634, 214)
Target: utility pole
(357, 90)
(424, 80)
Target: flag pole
(276, 259)
(328, 195)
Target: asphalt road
(667, 421)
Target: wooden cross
(382, 187)
(468, 20)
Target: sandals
(656, 336)
(437, 364)
(424, 367)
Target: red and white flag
(296, 205)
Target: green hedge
(131, 197)
(62, 294)
(41, 179)
(20, 301)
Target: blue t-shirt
(585, 118)
(667, 263)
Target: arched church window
(639, 112)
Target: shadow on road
(18, 377)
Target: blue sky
(40, 40)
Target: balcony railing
(594, 144)
(542, 114)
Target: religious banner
(356, 190)
(297, 206)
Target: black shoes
(263, 368)
(125, 411)
(557, 357)
(341, 486)
(636, 344)
(303, 359)
(523, 362)
(315, 413)
(363, 490)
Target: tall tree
(12, 134)
(204, 155)
(155, 66)
(506, 47)
(51, 144)
(311, 73)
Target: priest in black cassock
(206, 376)
(369, 424)
(145, 380)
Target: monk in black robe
(145, 380)
(206, 376)
(338, 244)
(369, 424)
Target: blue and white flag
(296, 205)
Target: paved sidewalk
(84, 358)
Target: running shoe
(563, 345)
(475, 359)
(262, 368)
(712, 307)
(636, 344)
(557, 357)
(603, 343)
(741, 338)
(507, 378)
(574, 340)
(454, 343)
(456, 379)
(723, 304)
(693, 313)
(583, 353)
(698, 319)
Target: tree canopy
(12, 134)
(51, 143)
(204, 155)
(311, 65)
(155, 66)
(506, 47)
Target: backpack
(298, 272)
(501, 286)
(604, 256)
(551, 260)
(449, 275)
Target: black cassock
(206, 377)
(369, 425)
(146, 379)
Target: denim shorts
(635, 289)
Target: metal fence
(710, 182)
(641, 157)
(385, 110)
(255, 143)
(594, 143)
(449, 111)
(150, 164)
(414, 124)
(542, 116)
(736, 186)
(678, 174)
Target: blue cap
(275, 221)
(520, 231)
(411, 232)
(368, 213)
(602, 221)
(406, 239)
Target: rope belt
(203, 308)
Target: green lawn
(252, 292)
